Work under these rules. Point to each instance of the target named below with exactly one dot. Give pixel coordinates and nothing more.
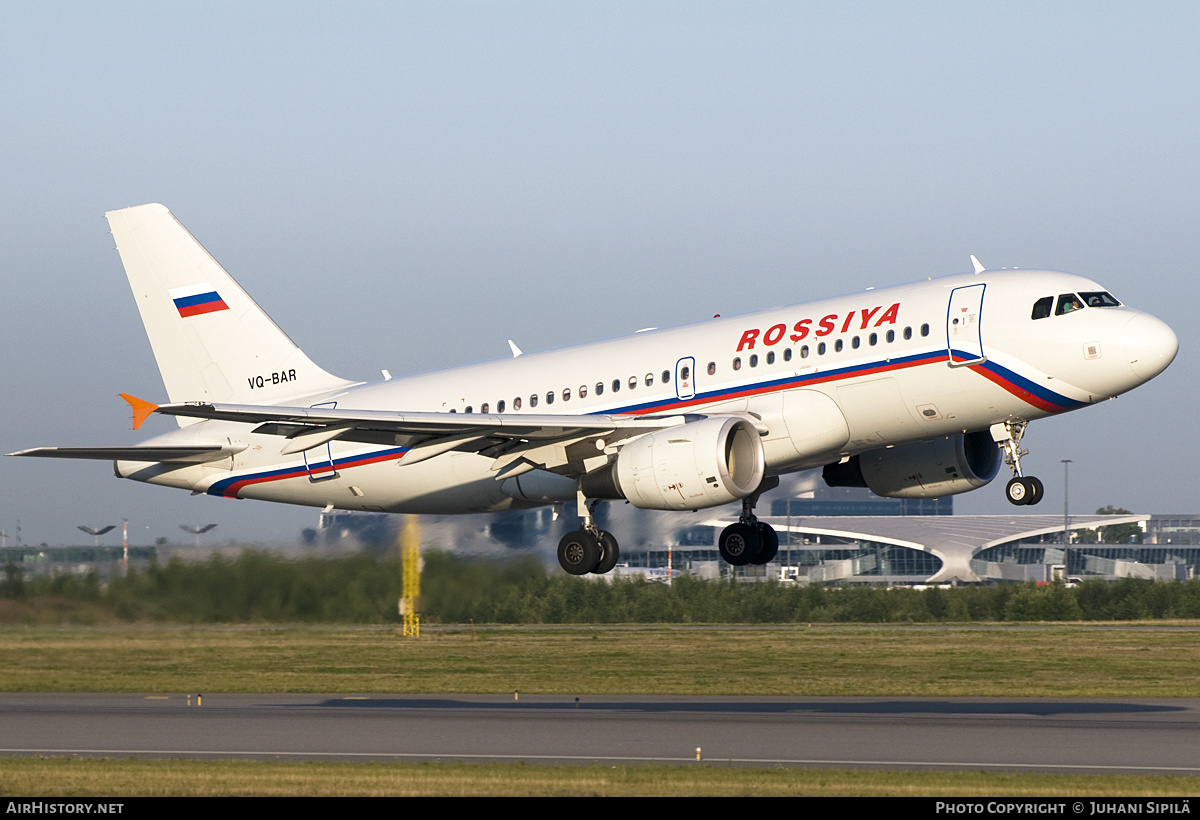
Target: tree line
(259, 587)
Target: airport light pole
(1066, 498)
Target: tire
(610, 554)
(738, 544)
(578, 552)
(770, 544)
(1037, 491)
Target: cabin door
(685, 378)
(319, 460)
(964, 342)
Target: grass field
(1051, 661)
(176, 778)
(1058, 661)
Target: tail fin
(211, 341)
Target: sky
(407, 185)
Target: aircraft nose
(1151, 345)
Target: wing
(191, 454)
(568, 444)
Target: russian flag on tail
(197, 299)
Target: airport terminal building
(853, 537)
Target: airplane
(918, 390)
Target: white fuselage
(828, 380)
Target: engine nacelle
(926, 469)
(699, 464)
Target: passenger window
(754, 360)
(685, 374)
(787, 354)
(855, 342)
(821, 349)
(549, 397)
(737, 363)
(771, 357)
(837, 346)
(599, 388)
(804, 352)
(891, 336)
(517, 403)
(583, 391)
(468, 410)
(666, 377)
(924, 330)
(1041, 308)
(632, 382)
(649, 379)
(873, 339)
(483, 408)
(1067, 303)
(533, 400)
(566, 394)
(712, 368)
(500, 406)
(907, 333)
(617, 385)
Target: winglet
(141, 409)
(975, 263)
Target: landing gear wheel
(578, 552)
(609, 554)
(770, 544)
(739, 544)
(1036, 490)
(1021, 491)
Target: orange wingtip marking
(141, 409)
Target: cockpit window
(1067, 303)
(1041, 308)
(1099, 298)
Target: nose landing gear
(1021, 489)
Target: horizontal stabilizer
(194, 454)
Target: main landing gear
(589, 550)
(1021, 489)
(750, 541)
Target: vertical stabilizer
(212, 342)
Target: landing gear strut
(589, 549)
(750, 541)
(1021, 489)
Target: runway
(1083, 736)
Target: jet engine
(926, 469)
(699, 464)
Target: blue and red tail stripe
(230, 487)
(785, 383)
(1025, 389)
